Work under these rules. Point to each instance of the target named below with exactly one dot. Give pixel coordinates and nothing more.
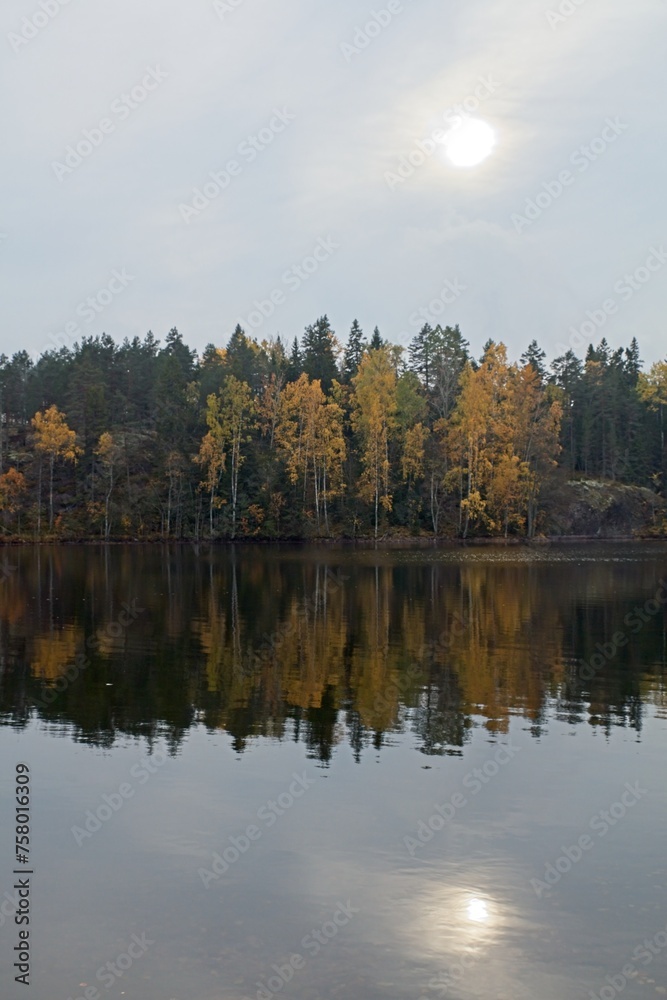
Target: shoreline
(361, 542)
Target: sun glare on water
(469, 142)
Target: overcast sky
(333, 110)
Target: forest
(320, 438)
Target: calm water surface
(417, 774)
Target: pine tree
(420, 353)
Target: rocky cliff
(600, 509)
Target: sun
(478, 910)
(469, 142)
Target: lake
(335, 773)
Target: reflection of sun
(478, 910)
(469, 142)
(455, 919)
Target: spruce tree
(295, 363)
(354, 352)
(319, 353)
(377, 343)
(535, 356)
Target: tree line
(317, 438)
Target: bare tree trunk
(435, 505)
(235, 483)
(317, 495)
(51, 464)
(169, 506)
(39, 499)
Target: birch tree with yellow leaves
(374, 408)
(53, 440)
(109, 453)
(309, 434)
(468, 441)
(504, 438)
(231, 418)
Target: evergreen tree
(211, 372)
(354, 352)
(295, 363)
(535, 357)
(420, 353)
(175, 369)
(567, 374)
(137, 368)
(450, 356)
(376, 342)
(633, 362)
(242, 358)
(275, 359)
(319, 353)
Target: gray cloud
(355, 116)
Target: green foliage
(354, 352)
(320, 350)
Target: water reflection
(252, 667)
(321, 647)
